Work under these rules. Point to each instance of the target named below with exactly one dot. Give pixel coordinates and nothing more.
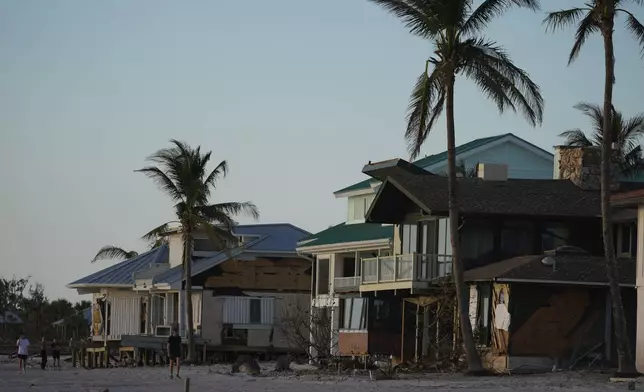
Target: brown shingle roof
(556, 198)
(567, 269)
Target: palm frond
(219, 172)
(575, 138)
(586, 27)
(494, 72)
(564, 18)
(157, 232)
(113, 252)
(224, 212)
(417, 15)
(490, 9)
(596, 116)
(636, 28)
(163, 181)
(221, 238)
(425, 106)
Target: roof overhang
(347, 246)
(560, 282)
(393, 194)
(372, 188)
(628, 199)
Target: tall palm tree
(598, 16)
(181, 173)
(455, 28)
(626, 134)
(113, 252)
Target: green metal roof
(432, 159)
(343, 233)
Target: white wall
(176, 249)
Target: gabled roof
(122, 273)
(568, 269)
(441, 157)
(274, 238)
(344, 233)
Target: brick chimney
(581, 165)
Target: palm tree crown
(589, 20)
(626, 134)
(455, 27)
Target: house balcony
(406, 271)
(346, 284)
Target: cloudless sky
(297, 95)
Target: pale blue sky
(296, 94)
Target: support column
(639, 345)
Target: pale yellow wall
(176, 249)
(397, 244)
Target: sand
(215, 378)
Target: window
(323, 276)
(626, 240)
(255, 311)
(553, 236)
(483, 314)
(354, 314)
(358, 207)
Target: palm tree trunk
(625, 358)
(462, 294)
(187, 277)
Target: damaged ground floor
(525, 315)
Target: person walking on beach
(23, 352)
(43, 354)
(55, 353)
(174, 351)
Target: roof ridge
(274, 224)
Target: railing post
(414, 267)
(396, 261)
(377, 269)
(362, 271)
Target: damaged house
(533, 254)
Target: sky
(296, 95)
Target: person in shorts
(43, 354)
(23, 352)
(55, 353)
(174, 351)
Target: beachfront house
(338, 250)
(239, 294)
(532, 250)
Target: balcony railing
(405, 268)
(349, 283)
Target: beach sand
(216, 378)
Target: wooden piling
(186, 385)
(74, 356)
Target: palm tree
(455, 27)
(181, 173)
(626, 134)
(598, 16)
(113, 252)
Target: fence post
(414, 267)
(396, 261)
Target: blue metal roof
(275, 237)
(122, 273)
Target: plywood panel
(263, 274)
(550, 331)
(212, 318)
(353, 343)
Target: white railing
(346, 283)
(405, 268)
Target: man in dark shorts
(43, 354)
(55, 353)
(174, 351)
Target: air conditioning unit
(163, 330)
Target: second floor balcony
(413, 267)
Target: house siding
(521, 163)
